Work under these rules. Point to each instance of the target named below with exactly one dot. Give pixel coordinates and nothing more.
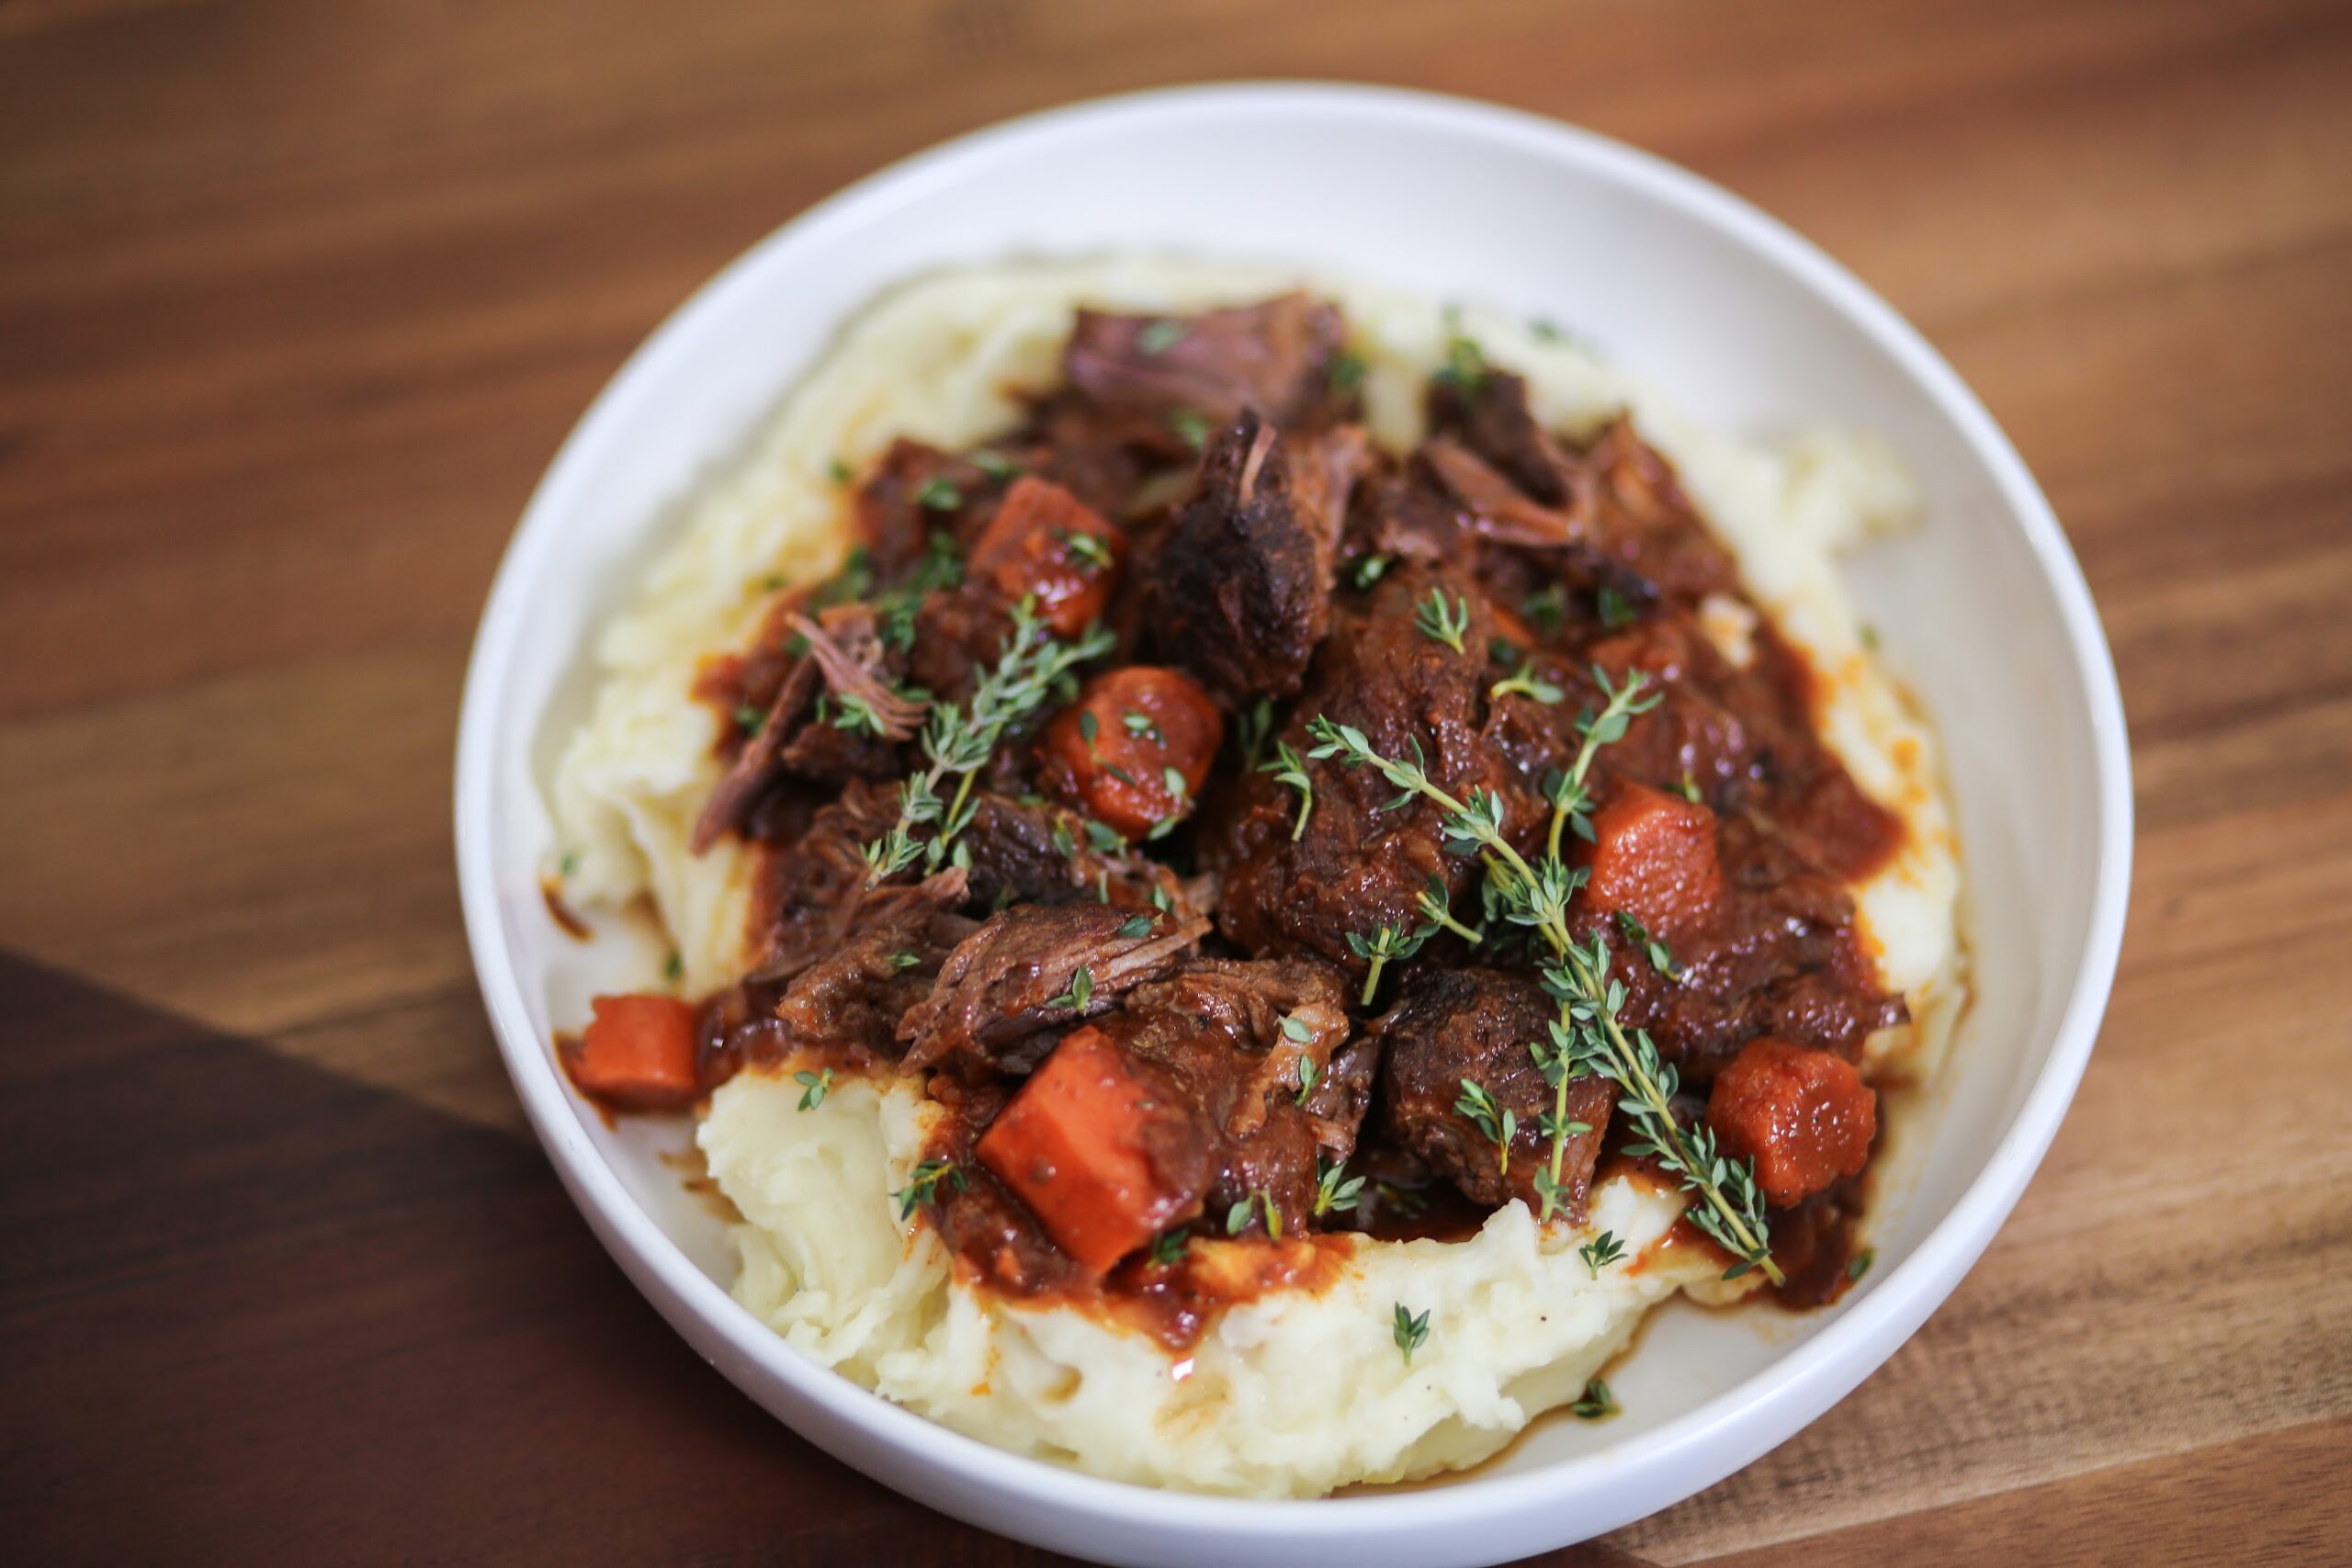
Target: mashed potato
(1300, 1392)
(1289, 1395)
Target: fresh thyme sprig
(1597, 1402)
(1525, 682)
(924, 1183)
(1168, 1250)
(1587, 1036)
(1080, 992)
(1409, 1330)
(1386, 942)
(1085, 547)
(958, 741)
(1571, 793)
(1440, 621)
(813, 1087)
(1498, 1122)
(1334, 1187)
(1630, 927)
(1558, 1070)
(1237, 1219)
(1256, 727)
(1437, 907)
(1290, 771)
(1601, 1252)
(1298, 1034)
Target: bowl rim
(1700, 1446)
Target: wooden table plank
(295, 302)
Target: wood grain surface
(297, 300)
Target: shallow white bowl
(1984, 613)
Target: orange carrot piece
(1804, 1114)
(1047, 544)
(1110, 753)
(1071, 1146)
(638, 1053)
(1654, 857)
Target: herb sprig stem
(958, 741)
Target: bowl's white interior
(1966, 612)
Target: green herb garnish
(1434, 620)
(1601, 1252)
(924, 1183)
(1411, 1332)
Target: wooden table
(297, 300)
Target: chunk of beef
(853, 997)
(1457, 1026)
(1274, 357)
(1497, 508)
(1034, 851)
(811, 889)
(838, 714)
(1021, 972)
(1217, 1028)
(1644, 518)
(758, 761)
(1242, 581)
(914, 490)
(1780, 957)
(1341, 1093)
(1358, 865)
(1489, 414)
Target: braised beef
(1242, 582)
(758, 758)
(810, 890)
(1360, 865)
(1486, 410)
(1032, 851)
(1036, 966)
(853, 997)
(1275, 357)
(1453, 1027)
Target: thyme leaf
(1290, 771)
(1410, 1331)
(1441, 623)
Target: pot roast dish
(1251, 879)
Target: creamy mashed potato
(1303, 1390)
(1289, 1395)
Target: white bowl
(1984, 613)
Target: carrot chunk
(1134, 748)
(1045, 542)
(638, 1053)
(1073, 1146)
(1654, 857)
(1804, 1114)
